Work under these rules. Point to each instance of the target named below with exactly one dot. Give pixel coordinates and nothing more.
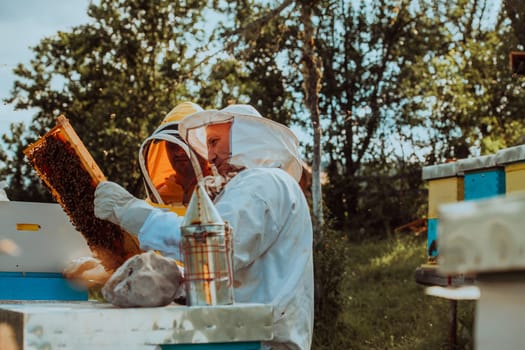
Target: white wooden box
(94, 325)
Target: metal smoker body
(207, 251)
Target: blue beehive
(38, 286)
(483, 178)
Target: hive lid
(477, 163)
(439, 171)
(511, 155)
(201, 210)
(95, 325)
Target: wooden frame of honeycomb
(71, 174)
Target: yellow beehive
(513, 159)
(444, 186)
(515, 177)
(443, 191)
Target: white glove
(115, 204)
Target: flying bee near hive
(67, 169)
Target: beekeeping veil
(255, 142)
(155, 164)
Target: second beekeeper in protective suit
(168, 173)
(261, 200)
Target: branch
(258, 23)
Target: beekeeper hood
(255, 142)
(154, 161)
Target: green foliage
(363, 101)
(118, 76)
(259, 39)
(429, 77)
(380, 304)
(404, 84)
(516, 14)
(465, 85)
(330, 265)
(390, 194)
(21, 174)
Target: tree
(277, 40)
(472, 102)
(378, 77)
(312, 73)
(426, 74)
(516, 14)
(117, 77)
(367, 50)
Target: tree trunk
(312, 85)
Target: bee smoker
(207, 250)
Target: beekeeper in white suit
(263, 203)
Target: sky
(23, 23)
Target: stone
(144, 280)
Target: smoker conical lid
(201, 210)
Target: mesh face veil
(167, 164)
(256, 142)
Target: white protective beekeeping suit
(269, 216)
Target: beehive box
(444, 186)
(513, 161)
(66, 167)
(95, 325)
(483, 236)
(46, 242)
(483, 177)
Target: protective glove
(115, 204)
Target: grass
(384, 308)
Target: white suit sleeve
(245, 205)
(161, 232)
